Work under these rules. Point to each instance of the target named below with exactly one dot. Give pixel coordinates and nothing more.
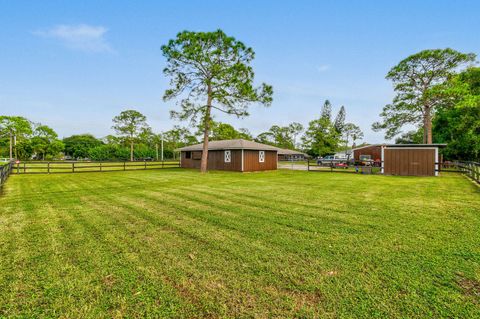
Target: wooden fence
(470, 169)
(339, 166)
(5, 171)
(55, 167)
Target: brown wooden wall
(252, 164)
(406, 161)
(375, 151)
(216, 160)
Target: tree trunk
(131, 151)
(427, 127)
(204, 162)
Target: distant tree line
(134, 139)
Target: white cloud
(323, 67)
(81, 37)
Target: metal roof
(415, 145)
(238, 144)
(285, 151)
(401, 145)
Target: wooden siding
(215, 160)
(375, 151)
(407, 161)
(251, 161)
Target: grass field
(174, 243)
(78, 166)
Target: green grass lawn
(174, 243)
(79, 166)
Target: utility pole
(11, 146)
(15, 144)
(162, 145)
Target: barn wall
(216, 160)
(375, 151)
(251, 162)
(409, 161)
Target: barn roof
(416, 145)
(401, 145)
(238, 144)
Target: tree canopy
(457, 122)
(413, 78)
(129, 125)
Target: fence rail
(343, 167)
(470, 169)
(58, 167)
(5, 171)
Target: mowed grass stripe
(215, 247)
(241, 245)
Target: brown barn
(402, 159)
(368, 153)
(231, 155)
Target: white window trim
(261, 156)
(227, 158)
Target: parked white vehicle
(329, 159)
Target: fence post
(162, 163)
(308, 164)
(124, 166)
(145, 163)
(18, 168)
(73, 167)
(48, 167)
(100, 166)
(24, 167)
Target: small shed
(231, 155)
(401, 159)
(411, 159)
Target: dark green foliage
(339, 122)
(410, 137)
(130, 125)
(78, 146)
(45, 143)
(281, 136)
(457, 122)
(322, 137)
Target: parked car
(339, 161)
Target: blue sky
(75, 65)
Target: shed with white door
(231, 155)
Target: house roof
(238, 144)
(284, 151)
